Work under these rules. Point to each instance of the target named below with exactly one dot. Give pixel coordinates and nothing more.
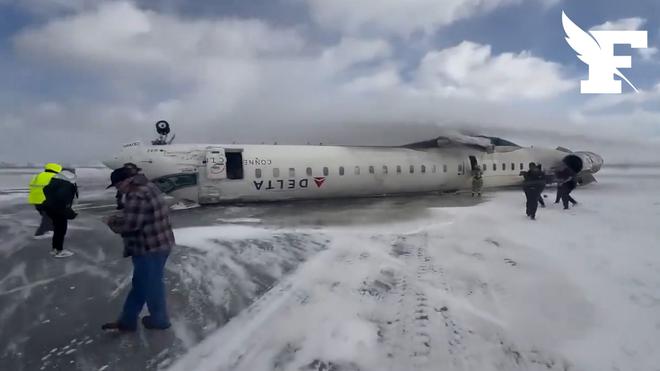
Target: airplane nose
(113, 163)
(597, 160)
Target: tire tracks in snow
(422, 333)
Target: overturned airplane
(215, 173)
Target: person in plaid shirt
(148, 239)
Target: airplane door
(473, 163)
(216, 164)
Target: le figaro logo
(596, 49)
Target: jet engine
(583, 161)
(585, 164)
(163, 130)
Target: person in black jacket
(568, 187)
(60, 193)
(541, 177)
(533, 184)
(566, 183)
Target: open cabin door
(465, 167)
(473, 164)
(234, 157)
(216, 164)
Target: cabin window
(257, 173)
(412, 169)
(326, 171)
(484, 166)
(513, 166)
(372, 170)
(292, 172)
(398, 169)
(423, 169)
(444, 168)
(435, 169)
(357, 170)
(503, 166)
(171, 183)
(276, 172)
(460, 168)
(494, 166)
(341, 170)
(309, 171)
(384, 169)
(522, 167)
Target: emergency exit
(216, 164)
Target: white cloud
(400, 17)
(50, 7)
(146, 38)
(206, 65)
(470, 69)
(609, 101)
(628, 24)
(631, 116)
(220, 80)
(385, 79)
(352, 50)
(648, 53)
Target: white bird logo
(588, 49)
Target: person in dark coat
(562, 177)
(569, 186)
(533, 184)
(541, 181)
(60, 193)
(477, 181)
(36, 197)
(566, 183)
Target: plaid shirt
(146, 220)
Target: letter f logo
(596, 49)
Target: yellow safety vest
(39, 181)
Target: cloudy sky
(81, 77)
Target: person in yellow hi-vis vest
(37, 197)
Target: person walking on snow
(60, 193)
(147, 235)
(36, 197)
(477, 181)
(533, 184)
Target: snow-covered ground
(413, 283)
(470, 288)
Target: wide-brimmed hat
(119, 175)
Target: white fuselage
(219, 173)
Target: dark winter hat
(120, 175)
(132, 166)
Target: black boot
(117, 326)
(148, 324)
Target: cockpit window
(170, 183)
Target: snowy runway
(420, 283)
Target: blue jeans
(147, 286)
